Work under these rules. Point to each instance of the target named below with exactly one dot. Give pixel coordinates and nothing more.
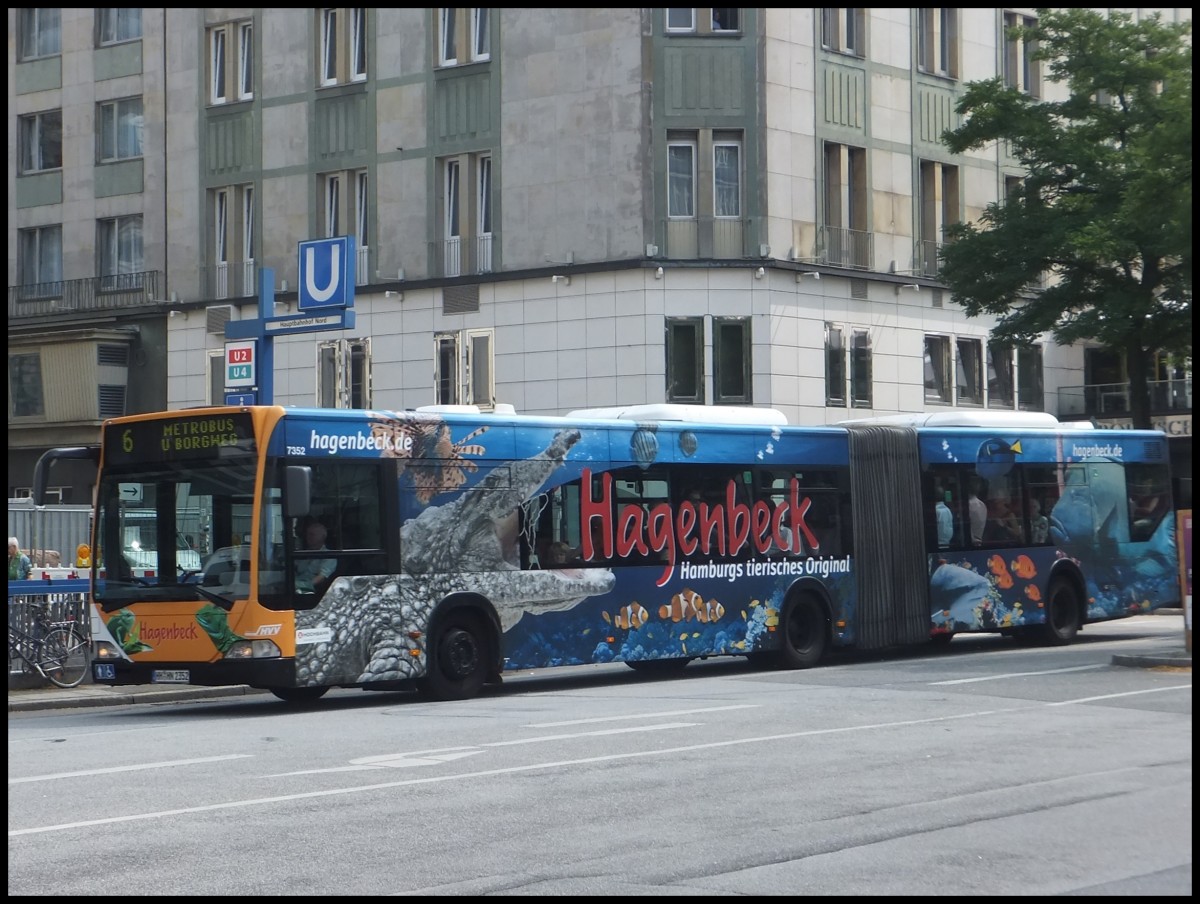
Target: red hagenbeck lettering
(721, 529)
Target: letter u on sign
(326, 273)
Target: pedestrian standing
(19, 566)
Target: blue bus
(453, 546)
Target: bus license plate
(170, 676)
(104, 671)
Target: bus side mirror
(297, 500)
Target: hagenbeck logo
(327, 273)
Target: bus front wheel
(458, 665)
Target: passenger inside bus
(313, 574)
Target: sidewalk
(1168, 653)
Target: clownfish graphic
(684, 605)
(632, 616)
(1033, 593)
(689, 605)
(1024, 568)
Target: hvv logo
(327, 273)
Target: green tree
(1103, 216)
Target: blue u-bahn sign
(326, 273)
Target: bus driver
(312, 575)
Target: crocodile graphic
(363, 624)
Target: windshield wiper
(214, 598)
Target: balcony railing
(840, 247)
(709, 238)
(231, 279)
(1112, 399)
(925, 258)
(96, 294)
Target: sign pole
(266, 310)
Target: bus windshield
(157, 528)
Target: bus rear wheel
(299, 694)
(458, 663)
(805, 633)
(1063, 614)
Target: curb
(1154, 660)
(67, 700)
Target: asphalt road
(986, 768)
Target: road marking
(1152, 690)
(1075, 668)
(624, 716)
(110, 769)
(437, 757)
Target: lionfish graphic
(435, 464)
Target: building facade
(552, 208)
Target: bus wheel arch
(805, 626)
(462, 649)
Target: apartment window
(245, 61)
(233, 221)
(937, 206)
(41, 257)
(358, 43)
(464, 378)
(25, 385)
(860, 369)
(41, 141)
(344, 373)
(681, 179)
(481, 39)
(329, 46)
(937, 41)
(447, 36)
(685, 359)
(331, 222)
(466, 211)
(248, 247)
(937, 370)
(969, 372)
(679, 19)
(41, 32)
(999, 376)
(1030, 391)
(121, 129)
(119, 24)
(835, 366)
(842, 30)
(216, 378)
(1020, 70)
(362, 235)
(484, 215)
(119, 253)
(727, 179)
(845, 238)
(224, 67)
(726, 19)
(732, 374)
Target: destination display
(186, 437)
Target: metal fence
(67, 601)
(58, 527)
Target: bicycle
(58, 651)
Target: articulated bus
(461, 545)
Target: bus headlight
(106, 650)
(253, 649)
